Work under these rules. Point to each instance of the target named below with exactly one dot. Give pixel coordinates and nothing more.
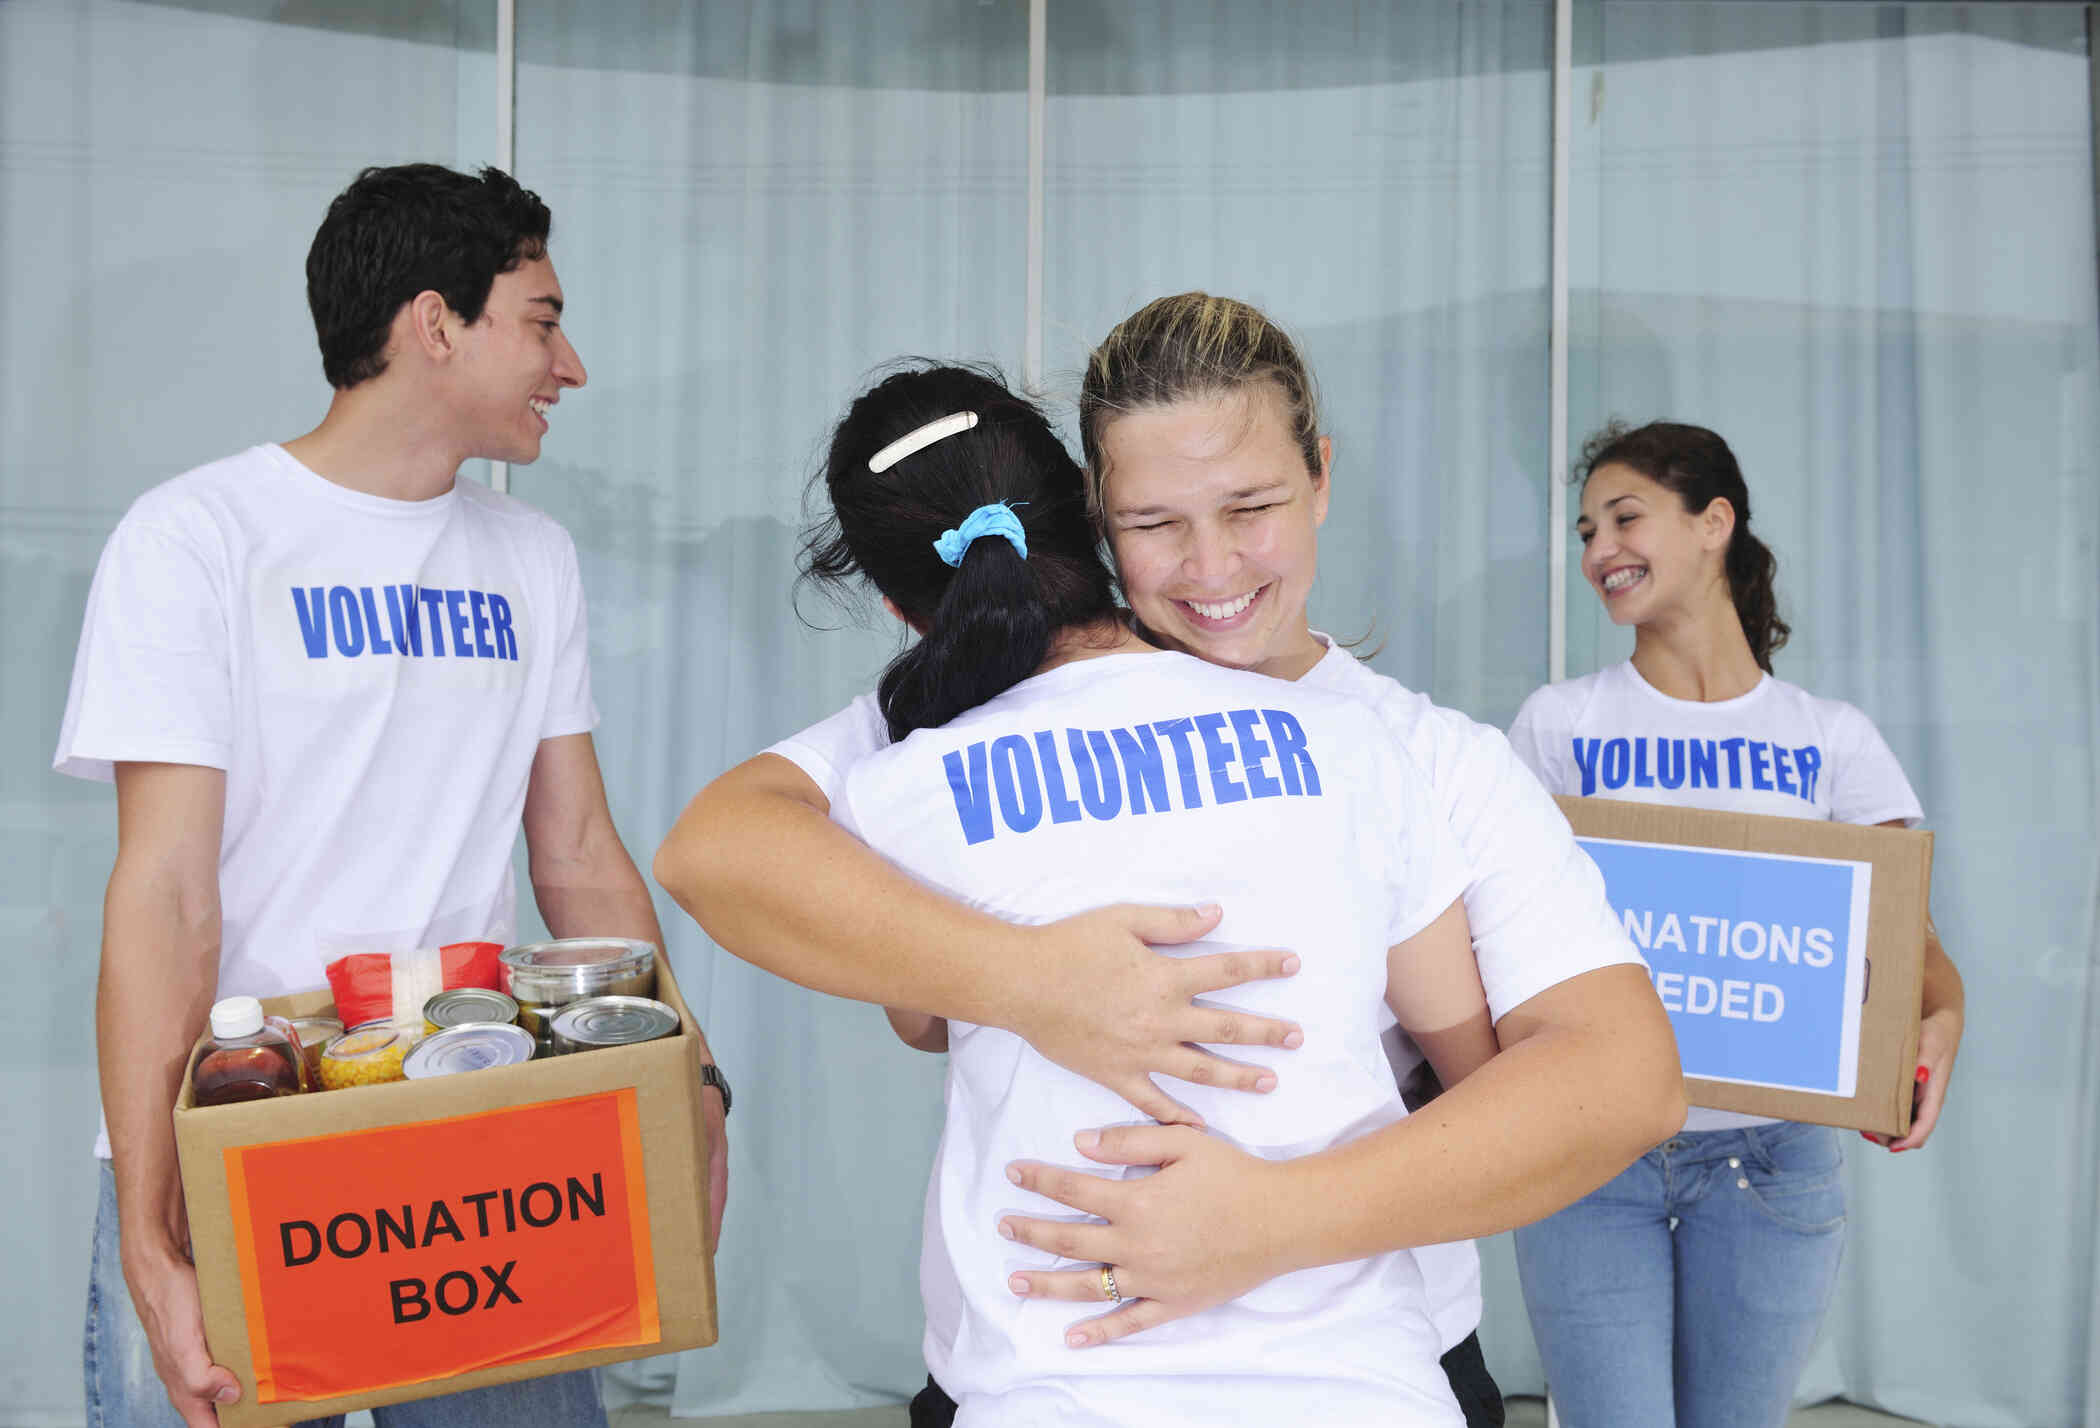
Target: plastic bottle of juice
(285, 1027)
(244, 1060)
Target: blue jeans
(123, 1391)
(1688, 1291)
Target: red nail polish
(1866, 1135)
(1924, 1074)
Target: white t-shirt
(1156, 778)
(1777, 750)
(1536, 902)
(374, 676)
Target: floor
(1523, 1413)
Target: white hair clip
(925, 436)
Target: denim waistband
(1753, 1143)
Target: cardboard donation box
(382, 1243)
(1790, 954)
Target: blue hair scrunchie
(996, 519)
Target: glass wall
(756, 206)
(774, 201)
(162, 170)
(1374, 177)
(1857, 239)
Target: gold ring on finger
(1108, 1286)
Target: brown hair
(1191, 346)
(1697, 465)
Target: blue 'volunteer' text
(1698, 763)
(1022, 777)
(348, 620)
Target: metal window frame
(1557, 351)
(506, 140)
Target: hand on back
(1102, 1003)
(1210, 1225)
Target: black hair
(987, 622)
(1697, 465)
(396, 232)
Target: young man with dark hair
(331, 680)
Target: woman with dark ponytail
(987, 614)
(1046, 761)
(1689, 1289)
(1209, 477)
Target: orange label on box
(417, 1252)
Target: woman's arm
(757, 862)
(1588, 1079)
(1943, 1013)
(920, 1031)
(1433, 987)
(1942, 1010)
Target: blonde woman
(1209, 475)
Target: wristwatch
(711, 1075)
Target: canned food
(462, 1006)
(366, 1056)
(474, 1046)
(314, 1033)
(610, 1021)
(543, 977)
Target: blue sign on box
(1759, 958)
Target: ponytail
(990, 631)
(1697, 465)
(986, 622)
(1751, 567)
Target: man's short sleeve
(152, 682)
(827, 751)
(570, 708)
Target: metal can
(473, 1046)
(543, 977)
(599, 1022)
(366, 1055)
(314, 1033)
(462, 1006)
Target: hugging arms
(1586, 1079)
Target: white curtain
(1856, 239)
